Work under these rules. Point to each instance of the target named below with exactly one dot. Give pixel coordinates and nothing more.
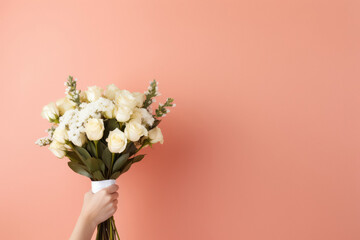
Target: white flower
(65, 104)
(93, 93)
(122, 113)
(124, 98)
(94, 129)
(116, 141)
(140, 98)
(142, 115)
(50, 112)
(79, 139)
(111, 91)
(109, 113)
(134, 130)
(155, 135)
(60, 134)
(57, 148)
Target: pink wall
(263, 143)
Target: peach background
(263, 143)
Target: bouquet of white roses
(101, 132)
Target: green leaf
(79, 169)
(98, 175)
(91, 148)
(115, 175)
(95, 164)
(88, 148)
(73, 156)
(120, 162)
(83, 153)
(138, 158)
(111, 124)
(131, 149)
(106, 157)
(101, 148)
(127, 167)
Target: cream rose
(124, 98)
(57, 148)
(140, 98)
(78, 140)
(50, 112)
(64, 104)
(111, 91)
(94, 129)
(60, 134)
(134, 130)
(116, 141)
(122, 113)
(110, 113)
(155, 135)
(93, 93)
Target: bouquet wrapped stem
(101, 133)
(107, 230)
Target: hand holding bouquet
(101, 132)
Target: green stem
(113, 221)
(110, 228)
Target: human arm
(97, 207)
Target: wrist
(87, 220)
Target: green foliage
(82, 153)
(127, 167)
(98, 175)
(151, 93)
(120, 162)
(115, 175)
(110, 125)
(106, 157)
(161, 110)
(76, 167)
(95, 164)
(72, 92)
(138, 158)
(73, 157)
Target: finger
(113, 188)
(114, 195)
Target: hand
(100, 206)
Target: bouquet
(101, 133)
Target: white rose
(111, 91)
(140, 98)
(60, 134)
(94, 129)
(110, 113)
(125, 98)
(142, 115)
(116, 141)
(50, 112)
(134, 130)
(65, 104)
(57, 148)
(93, 93)
(79, 140)
(122, 113)
(155, 135)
